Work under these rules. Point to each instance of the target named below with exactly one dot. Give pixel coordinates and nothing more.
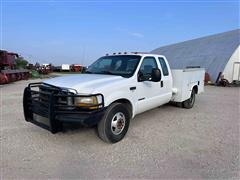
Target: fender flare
(120, 97)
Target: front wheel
(190, 102)
(114, 125)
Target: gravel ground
(164, 143)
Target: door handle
(161, 83)
(132, 88)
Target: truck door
(166, 81)
(150, 94)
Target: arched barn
(218, 54)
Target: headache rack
(55, 104)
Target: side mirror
(156, 75)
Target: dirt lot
(164, 143)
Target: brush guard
(47, 104)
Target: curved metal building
(219, 53)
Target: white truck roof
(134, 53)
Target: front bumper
(45, 105)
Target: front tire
(188, 104)
(114, 125)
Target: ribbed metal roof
(210, 52)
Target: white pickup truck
(113, 91)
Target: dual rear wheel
(190, 102)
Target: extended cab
(113, 91)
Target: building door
(236, 71)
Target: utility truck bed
(184, 80)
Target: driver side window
(148, 64)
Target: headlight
(91, 102)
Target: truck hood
(83, 83)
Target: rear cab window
(164, 66)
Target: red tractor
(8, 71)
(77, 68)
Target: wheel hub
(118, 123)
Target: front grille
(45, 90)
(62, 98)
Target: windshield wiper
(102, 72)
(107, 72)
(88, 72)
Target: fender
(192, 85)
(119, 95)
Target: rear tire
(114, 125)
(189, 103)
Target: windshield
(122, 65)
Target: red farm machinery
(77, 68)
(8, 71)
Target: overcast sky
(81, 31)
